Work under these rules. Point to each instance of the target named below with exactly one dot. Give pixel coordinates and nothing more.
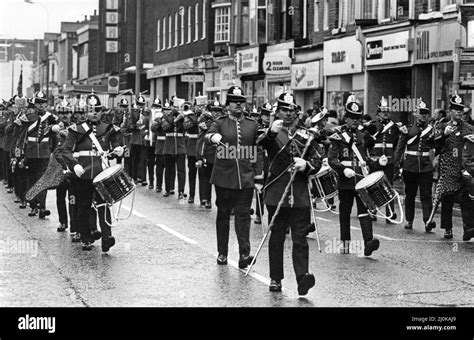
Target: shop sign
(227, 75)
(342, 56)
(432, 44)
(192, 78)
(247, 61)
(387, 49)
(305, 76)
(466, 69)
(277, 65)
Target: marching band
(288, 160)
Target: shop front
(249, 72)
(390, 74)
(306, 79)
(435, 52)
(342, 72)
(277, 81)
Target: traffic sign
(113, 85)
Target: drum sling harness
(353, 145)
(97, 145)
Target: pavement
(166, 256)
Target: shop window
(337, 100)
(222, 24)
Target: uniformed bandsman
(348, 146)
(157, 112)
(83, 152)
(413, 155)
(191, 129)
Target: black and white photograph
(272, 156)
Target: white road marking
(323, 219)
(162, 226)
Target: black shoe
(306, 283)
(166, 194)
(257, 220)
(245, 261)
(171, 192)
(374, 218)
(43, 213)
(181, 196)
(448, 234)
(144, 184)
(23, 205)
(62, 228)
(10, 190)
(203, 202)
(311, 228)
(409, 225)
(468, 234)
(33, 212)
(430, 226)
(86, 246)
(344, 250)
(158, 190)
(17, 200)
(95, 235)
(222, 260)
(76, 238)
(371, 246)
(275, 286)
(190, 200)
(208, 205)
(108, 243)
(151, 187)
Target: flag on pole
(20, 83)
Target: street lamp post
(45, 9)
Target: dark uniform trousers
(159, 170)
(87, 215)
(389, 171)
(138, 160)
(171, 163)
(72, 198)
(2, 168)
(467, 209)
(36, 169)
(298, 219)
(63, 199)
(192, 171)
(205, 187)
(425, 181)
(240, 200)
(150, 164)
(21, 182)
(346, 200)
(8, 169)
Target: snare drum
(113, 184)
(375, 191)
(324, 184)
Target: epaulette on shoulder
(73, 127)
(222, 117)
(335, 136)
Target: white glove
(216, 138)
(119, 151)
(78, 170)
(349, 173)
(276, 126)
(383, 160)
(55, 128)
(325, 162)
(259, 187)
(300, 164)
(198, 164)
(202, 126)
(448, 130)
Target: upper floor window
(204, 26)
(181, 14)
(196, 22)
(222, 27)
(316, 16)
(292, 19)
(176, 33)
(326, 15)
(170, 31)
(262, 22)
(346, 12)
(189, 24)
(158, 35)
(164, 33)
(240, 21)
(366, 9)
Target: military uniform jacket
(191, 134)
(79, 149)
(385, 142)
(174, 133)
(3, 125)
(160, 136)
(9, 137)
(61, 141)
(206, 150)
(278, 176)
(341, 156)
(235, 172)
(39, 136)
(136, 127)
(415, 156)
